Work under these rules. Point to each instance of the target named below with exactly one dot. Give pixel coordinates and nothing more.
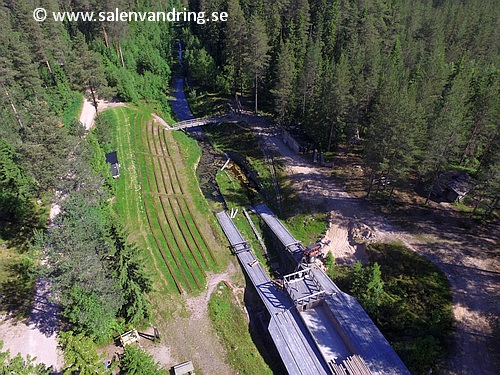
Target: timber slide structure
(317, 328)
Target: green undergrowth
(234, 193)
(414, 309)
(72, 110)
(16, 283)
(203, 103)
(235, 197)
(231, 326)
(241, 139)
(308, 227)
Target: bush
(329, 261)
(136, 361)
(408, 298)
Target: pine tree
(283, 89)
(374, 288)
(235, 43)
(447, 132)
(335, 102)
(86, 71)
(20, 366)
(257, 58)
(309, 77)
(136, 361)
(80, 355)
(131, 277)
(80, 259)
(395, 127)
(45, 147)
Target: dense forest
(46, 156)
(414, 84)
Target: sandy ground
(87, 115)
(469, 260)
(36, 336)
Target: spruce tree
(257, 58)
(283, 89)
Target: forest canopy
(415, 83)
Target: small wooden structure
(453, 186)
(129, 337)
(296, 140)
(185, 368)
(303, 288)
(114, 168)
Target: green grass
(415, 309)
(16, 285)
(191, 153)
(203, 103)
(308, 227)
(173, 235)
(128, 203)
(235, 196)
(234, 193)
(231, 326)
(236, 138)
(72, 110)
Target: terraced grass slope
(155, 197)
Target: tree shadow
(45, 313)
(18, 218)
(16, 292)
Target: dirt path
(37, 336)
(192, 335)
(470, 261)
(87, 115)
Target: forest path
(191, 336)
(469, 259)
(88, 112)
(35, 336)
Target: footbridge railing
(194, 122)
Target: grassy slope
(128, 204)
(230, 323)
(130, 141)
(191, 153)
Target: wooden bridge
(186, 124)
(296, 347)
(201, 121)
